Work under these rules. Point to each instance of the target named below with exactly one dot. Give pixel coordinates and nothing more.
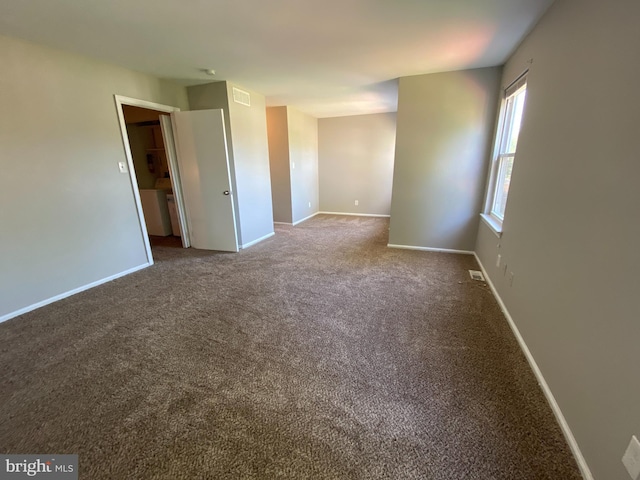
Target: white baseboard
(304, 219)
(564, 426)
(247, 245)
(429, 249)
(283, 223)
(354, 214)
(35, 306)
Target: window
(505, 152)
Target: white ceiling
(324, 57)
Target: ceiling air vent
(476, 275)
(241, 97)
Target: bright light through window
(513, 109)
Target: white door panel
(206, 184)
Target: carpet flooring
(317, 354)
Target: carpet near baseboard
(319, 353)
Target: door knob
(226, 192)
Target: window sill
(493, 224)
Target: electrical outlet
(309, 204)
(122, 166)
(356, 203)
(498, 260)
(293, 165)
(631, 458)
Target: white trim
(298, 221)
(353, 214)
(247, 245)
(564, 426)
(135, 102)
(42, 303)
(492, 223)
(429, 249)
(304, 219)
(517, 84)
(120, 101)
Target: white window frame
(498, 157)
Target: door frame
(121, 100)
(169, 140)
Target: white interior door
(203, 162)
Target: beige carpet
(317, 354)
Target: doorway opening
(204, 199)
(153, 175)
(147, 136)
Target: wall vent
(476, 275)
(241, 97)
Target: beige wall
(445, 128)
(251, 158)
(355, 156)
(571, 226)
(278, 134)
(303, 156)
(68, 216)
